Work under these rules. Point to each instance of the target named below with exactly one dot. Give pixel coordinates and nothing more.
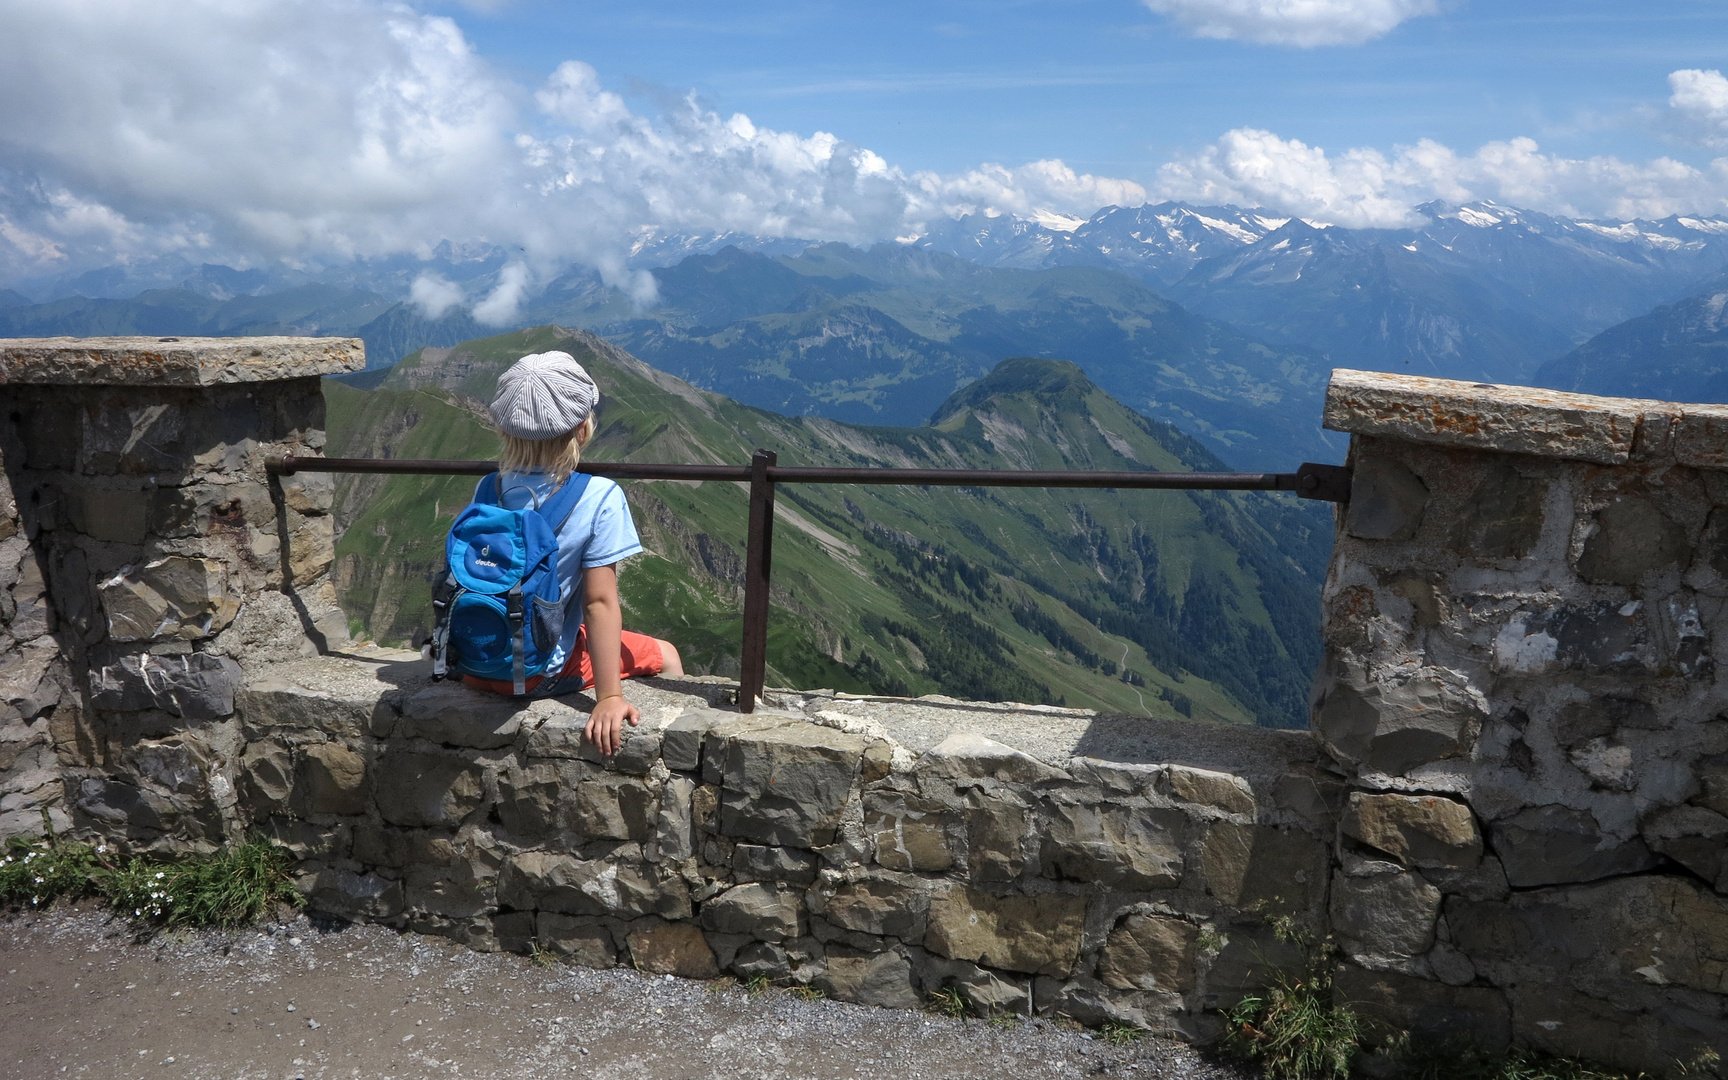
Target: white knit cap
(544, 395)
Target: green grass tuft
(232, 887)
(1117, 1033)
(35, 873)
(946, 1001)
(1295, 1031)
(541, 957)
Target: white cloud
(573, 95)
(1301, 23)
(505, 299)
(434, 295)
(328, 125)
(1042, 185)
(1365, 188)
(1257, 168)
(1370, 187)
(1700, 100)
(324, 129)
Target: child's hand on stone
(606, 723)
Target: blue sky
(1109, 86)
(315, 131)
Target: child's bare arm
(605, 621)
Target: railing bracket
(1329, 483)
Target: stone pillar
(144, 552)
(1524, 682)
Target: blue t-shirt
(598, 532)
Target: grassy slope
(991, 594)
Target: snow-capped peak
(1479, 218)
(1055, 222)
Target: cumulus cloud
(1700, 101)
(502, 303)
(434, 295)
(1366, 188)
(325, 125)
(1042, 185)
(327, 129)
(1301, 23)
(1257, 168)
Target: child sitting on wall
(544, 409)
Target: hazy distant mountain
(654, 248)
(404, 328)
(1158, 242)
(1583, 276)
(308, 310)
(1679, 352)
(473, 266)
(1370, 302)
(1478, 291)
(884, 336)
(1268, 304)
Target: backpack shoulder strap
(558, 507)
(486, 492)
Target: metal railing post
(758, 560)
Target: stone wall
(143, 557)
(1511, 816)
(1524, 686)
(875, 849)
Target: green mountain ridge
(1155, 603)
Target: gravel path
(82, 994)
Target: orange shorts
(640, 655)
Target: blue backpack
(499, 607)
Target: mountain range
(1473, 291)
(1201, 604)
(1166, 337)
(1222, 320)
(884, 336)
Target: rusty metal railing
(1330, 483)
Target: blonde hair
(557, 456)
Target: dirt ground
(83, 994)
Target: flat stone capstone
(172, 361)
(1481, 416)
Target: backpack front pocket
(482, 624)
(548, 624)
